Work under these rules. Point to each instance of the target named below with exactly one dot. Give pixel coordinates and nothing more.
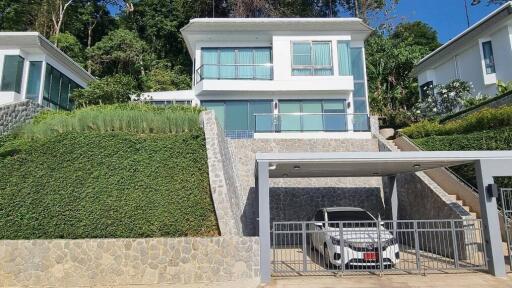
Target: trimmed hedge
(487, 119)
(500, 139)
(102, 185)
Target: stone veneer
(12, 115)
(298, 199)
(105, 262)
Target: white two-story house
(279, 77)
(32, 68)
(481, 55)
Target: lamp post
(473, 3)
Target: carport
(488, 164)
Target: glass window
(58, 89)
(263, 120)
(426, 88)
(357, 63)
(34, 80)
(334, 117)
(55, 88)
(290, 115)
(312, 118)
(488, 57)
(344, 64)
(237, 116)
(12, 73)
(218, 108)
(311, 58)
(359, 90)
(236, 63)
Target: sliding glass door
(312, 115)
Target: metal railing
(235, 72)
(405, 246)
(311, 122)
(506, 206)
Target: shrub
(500, 139)
(486, 119)
(134, 118)
(102, 185)
(118, 88)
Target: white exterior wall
(468, 64)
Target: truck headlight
(389, 242)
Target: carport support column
(485, 171)
(264, 220)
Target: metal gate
(506, 206)
(408, 246)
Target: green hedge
(500, 139)
(97, 185)
(487, 119)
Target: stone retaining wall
(105, 262)
(12, 115)
(298, 199)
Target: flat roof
(368, 164)
(487, 22)
(31, 40)
(276, 24)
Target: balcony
(234, 72)
(304, 125)
(311, 122)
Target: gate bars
(506, 205)
(413, 246)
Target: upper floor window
(488, 57)
(236, 63)
(311, 58)
(344, 63)
(12, 73)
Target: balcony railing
(311, 122)
(235, 72)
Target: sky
(447, 17)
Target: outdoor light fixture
(285, 175)
(416, 166)
(296, 167)
(272, 166)
(375, 173)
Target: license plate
(370, 256)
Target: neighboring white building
(482, 54)
(279, 77)
(33, 68)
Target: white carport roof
(366, 164)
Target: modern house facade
(32, 68)
(481, 55)
(279, 78)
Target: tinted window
(349, 216)
(488, 57)
(12, 73)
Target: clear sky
(447, 17)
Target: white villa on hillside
(32, 68)
(279, 77)
(482, 54)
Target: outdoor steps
(452, 197)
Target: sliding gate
(506, 206)
(409, 246)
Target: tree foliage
(417, 33)
(70, 45)
(118, 88)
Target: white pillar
(264, 220)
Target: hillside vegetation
(105, 172)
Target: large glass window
(360, 119)
(34, 80)
(357, 63)
(490, 68)
(242, 115)
(236, 63)
(312, 115)
(344, 65)
(57, 89)
(12, 73)
(311, 58)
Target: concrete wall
(12, 115)
(298, 199)
(105, 262)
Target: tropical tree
(416, 33)
(363, 8)
(70, 45)
(164, 78)
(120, 52)
(118, 88)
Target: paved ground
(466, 280)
